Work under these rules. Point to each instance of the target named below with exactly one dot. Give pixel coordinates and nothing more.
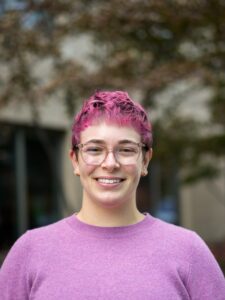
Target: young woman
(109, 250)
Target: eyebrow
(99, 141)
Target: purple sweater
(73, 260)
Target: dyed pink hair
(114, 107)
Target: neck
(93, 214)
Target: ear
(74, 162)
(146, 159)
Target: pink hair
(114, 107)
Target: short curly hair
(113, 107)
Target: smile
(109, 181)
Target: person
(109, 249)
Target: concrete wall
(202, 205)
(202, 208)
(71, 182)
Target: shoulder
(48, 236)
(181, 243)
(51, 229)
(39, 237)
(172, 234)
(177, 242)
(186, 237)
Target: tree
(152, 44)
(30, 32)
(138, 45)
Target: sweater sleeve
(14, 283)
(205, 280)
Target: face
(110, 184)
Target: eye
(93, 150)
(128, 150)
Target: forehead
(111, 133)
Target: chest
(109, 274)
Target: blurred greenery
(138, 45)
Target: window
(29, 180)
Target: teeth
(109, 181)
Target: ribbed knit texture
(150, 260)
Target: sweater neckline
(108, 232)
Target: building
(38, 186)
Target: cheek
(85, 176)
(86, 171)
(133, 170)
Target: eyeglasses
(95, 154)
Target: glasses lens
(93, 154)
(127, 154)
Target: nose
(110, 161)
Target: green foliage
(149, 46)
(137, 45)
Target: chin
(110, 203)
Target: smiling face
(110, 184)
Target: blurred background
(169, 55)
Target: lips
(105, 180)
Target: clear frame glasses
(95, 153)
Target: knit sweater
(145, 261)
